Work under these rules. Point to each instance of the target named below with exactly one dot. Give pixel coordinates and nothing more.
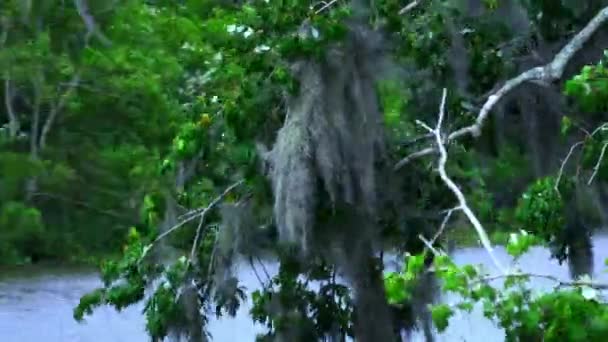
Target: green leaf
(441, 315)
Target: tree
(201, 132)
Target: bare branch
(412, 156)
(13, 120)
(599, 162)
(409, 7)
(561, 168)
(255, 271)
(414, 140)
(324, 5)
(197, 238)
(443, 158)
(56, 109)
(92, 27)
(202, 213)
(561, 283)
(444, 223)
(429, 246)
(600, 128)
(547, 73)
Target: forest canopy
(168, 141)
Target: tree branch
(212, 205)
(92, 27)
(324, 5)
(199, 213)
(600, 128)
(409, 7)
(13, 120)
(547, 73)
(599, 162)
(561, 168)
(561, 283)
(56, 109)
(443, 158)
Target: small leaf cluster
(590, 87)
(541, 209)
(575, 313)
(288, 302)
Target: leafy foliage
(114, 133)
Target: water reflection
(36, 304)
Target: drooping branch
(547, 73)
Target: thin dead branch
(560, 283)
(599, 162)
(324, 5)
(201, 214)
(409, 7)
(561, 168)
(443, 158)
(600, 128)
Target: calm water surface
(36, 304)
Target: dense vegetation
(176, 139)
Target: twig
(561, 283)
(602, 127)
(573, 147)
(202, 213)
(444, 223)
(268, 277)
(599, 162)
(212, 205)
(443, 158)
(325, 6)
(255, 271)
(409, 7)
(547, 73)
(561, 168)
(195, 243)
(412, 156)
(429, 245)
(412, 141)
